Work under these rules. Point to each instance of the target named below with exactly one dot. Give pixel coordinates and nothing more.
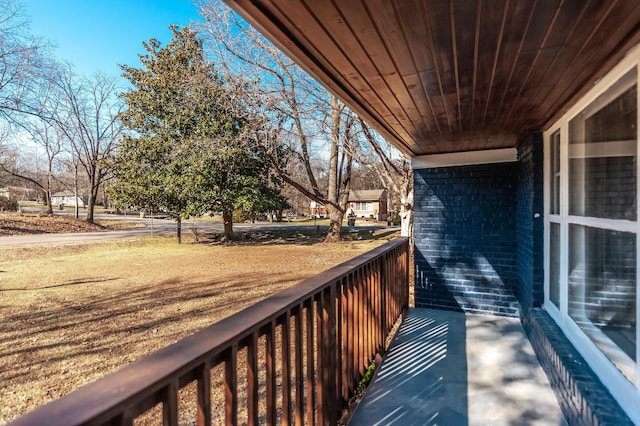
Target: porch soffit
(437, 77)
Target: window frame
(626, 392)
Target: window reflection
(554, 264)
(602, 155)
(602, 291)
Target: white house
(66, 198)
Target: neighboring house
(67, 199)
(317, 210)
(369, 203)
(521, 119)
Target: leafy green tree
(186, 151)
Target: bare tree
(41, 168)
(394, 171)
(24, 62)
(87, 115)
(304, 122)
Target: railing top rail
(104, 397)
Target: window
(363, 206)
(591, 226)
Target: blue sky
(95, 35)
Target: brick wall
(530, 223)
(464, 230)
(479, 248)
(582, 396)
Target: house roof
(435, 76)
(367, 194)
(64, 194)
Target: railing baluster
(379, 311)
(343, 340)
(298, 347)
(286, 368)
(271, 374)
(383, 302)
(320, 367)
(203, 374)
(357, 325)
(252, 379)
(331, 344)
(231, 386)
(370, 276)
(311, 394)
(170, 404)
(350, 337)
(362, 312)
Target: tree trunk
(75, 189)
(406, 215)
(93, 192)
(335, 225)
(90, 207)
(333, 191)
(178, 228)
(227, 218)
(47, 196)
(47, 193)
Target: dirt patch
(15, 224)
(72, 314)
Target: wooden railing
(294, 358)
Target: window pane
(602, 154)
(554, 264)
(602, 291)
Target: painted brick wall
(465, 238)
(530, 223)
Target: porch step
(450, 368)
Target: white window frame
(625, 392)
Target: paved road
(154, 227)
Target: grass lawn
(71, 314)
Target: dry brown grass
(38, 223)
(73, 314)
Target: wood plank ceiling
(436, 76)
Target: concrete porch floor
(448, 368)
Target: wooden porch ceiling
(436, 76)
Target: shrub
(8, 205)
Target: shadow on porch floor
(448, 368)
